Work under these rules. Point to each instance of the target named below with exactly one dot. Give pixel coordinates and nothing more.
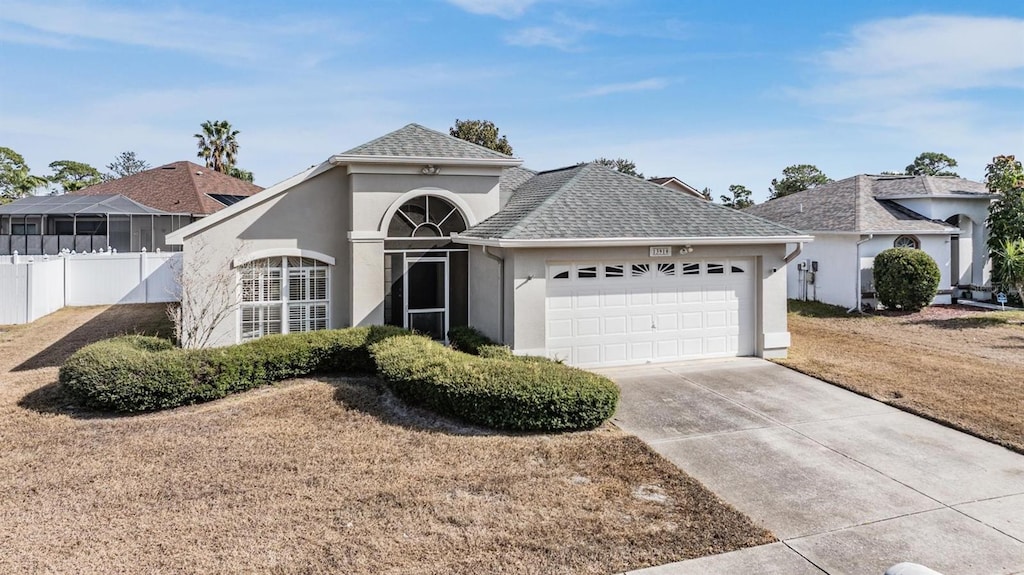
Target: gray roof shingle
(857, 205)
(904, 186)
(512, 178)
(417, 141)
(592, 201)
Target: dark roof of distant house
(70, 204)
(591, 201)
(864, 204)
(416, 141)
(178, 187)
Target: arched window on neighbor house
(284, 295)
(907, 242)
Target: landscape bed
(321, 475)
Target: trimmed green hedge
(138, 373)
(499, 392)
(469, 339)
(496, 389)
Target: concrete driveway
(849, 485)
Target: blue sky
(715, 93)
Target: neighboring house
(677, 185)
(178, 187)
(855, 219)
(39, 225)
(423, 230)
(132, 213)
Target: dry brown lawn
(953, 364)
(316, 476)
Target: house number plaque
(661, 251)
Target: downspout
(792, 256)
(857, 275)
(796, 252)
(501, 286)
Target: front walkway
(849, 485)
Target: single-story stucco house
(423, 230)
(855, 219)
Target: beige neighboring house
(678, 185)
(426, 231)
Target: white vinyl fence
(33, 286)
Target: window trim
(285, 304)
(913, 239)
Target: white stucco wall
(974, 241)
(485, 291)
(526, 284)
(310, 216)
(840, 276)
(835, 282)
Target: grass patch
(964, 369)
(816, 309)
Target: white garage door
(617, 313)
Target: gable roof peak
(417, 141)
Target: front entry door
(426, 301)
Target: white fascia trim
(891, 233)
(611, 242)
(969, 196)
(947, 232)
(178, 236)
(281, 252)
(502, 162)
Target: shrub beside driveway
(952, 364)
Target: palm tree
(1010, 266)
(217, 145)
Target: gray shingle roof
(852, 205)
(418, 142)
(512, 178)
(903, 186)
(69, 204)
(592, 201)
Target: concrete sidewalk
(849, 485)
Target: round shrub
(906, 278)
(498, 392)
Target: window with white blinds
(284, 295)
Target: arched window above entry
(907, 242)
(426, 217)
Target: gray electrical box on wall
(814, 266)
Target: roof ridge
(195, 185)
(863, 187)
(460, 140)
(529, 217)
(929, 186)
(563, 168)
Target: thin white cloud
(927, 79)
(638, 86)
(922, 56)
(544, 36)
(62, 24)
(500, 8)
